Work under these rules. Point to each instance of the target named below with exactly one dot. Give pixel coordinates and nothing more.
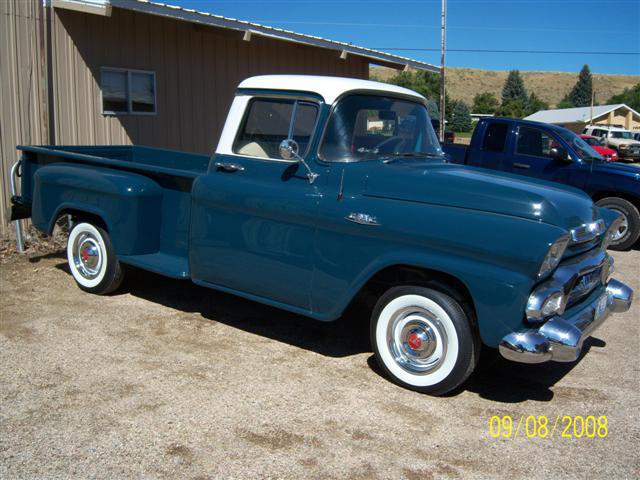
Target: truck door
(491, 151)
(532, 156)
(254, 214)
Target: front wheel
(629, 229)
(423, 340)
(92, 259)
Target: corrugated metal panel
(22, 103)
(197, 70)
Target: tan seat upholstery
(253, 149)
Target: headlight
(553, 256)
(544, 302)
(611, 232)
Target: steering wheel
(388, 142)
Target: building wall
(197, 71)
(23, 113)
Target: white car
(619, 139)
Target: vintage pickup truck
(550, 152)
(326, 190)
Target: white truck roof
(329, 88)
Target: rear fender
(129, 204)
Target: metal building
(134, 71)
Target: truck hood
(472, 188)
(622, 141)
(618, 169)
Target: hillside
(465, 83)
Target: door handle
(521, 165)
(229, 167)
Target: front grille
(584, 286)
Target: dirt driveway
(169, 380)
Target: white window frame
(129, 111)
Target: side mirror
(288, 149)
(560, 154)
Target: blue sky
(565, 25)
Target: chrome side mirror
(289, 150)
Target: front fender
(128, 203)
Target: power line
(483, 50)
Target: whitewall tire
(423, 339)
(92, 260)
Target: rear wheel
(423, 339)
(92, 259)
(629, 230)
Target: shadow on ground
(495, 378)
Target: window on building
(495, 137)
(269, 121)
(128, 92)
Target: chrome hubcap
(417, 340)
(87, 255)
(623, 228)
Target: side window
(495, 137)
(534, 142)
(269, 121)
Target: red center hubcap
(414, 341)
(84, 254)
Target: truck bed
(153, 229)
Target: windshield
(370, 127)
(625, 135)
(582, 148)
(592, 141)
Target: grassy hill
(465, 83)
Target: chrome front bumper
(561, 337)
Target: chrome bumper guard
(560, 338)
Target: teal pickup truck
(326, 190)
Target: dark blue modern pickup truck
(326, 190)
(550, 152)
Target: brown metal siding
(197, 70)
(22, 97)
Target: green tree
(515, 108)
(534, 104)
(461, 117)
(565, 103)
(630, 97)
(580, 94)
(425, 83)
(485, 103)
(513, 88)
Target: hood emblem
(362, 219)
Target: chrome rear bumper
(560, 338)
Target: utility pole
(443, 42)
(593, 99)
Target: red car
(608, 154)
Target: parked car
(550, 152)
(607, 153)
(309, 205)
(449, 136)
(619, 139)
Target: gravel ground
(166, 379)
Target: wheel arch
(407, 274)
(88, 214)
(600, 194)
